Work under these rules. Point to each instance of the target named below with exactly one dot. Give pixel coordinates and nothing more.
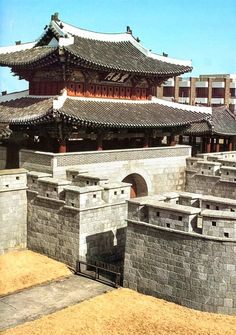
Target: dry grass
(26, 268)
(125, 312)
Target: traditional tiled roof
(26, 109)
(116, 114)
(120, 52)
(223, 121)
(108, 113)
(24, 57)
(120, 56)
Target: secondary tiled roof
(127, 114)
(98, 113)
(223, 121)
(24, 109)
(24, 57)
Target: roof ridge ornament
(55, 17)
(128, 30)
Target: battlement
(206, 215)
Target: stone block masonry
(69, 222)
(212, 174)
(13, 210)
(189, 269)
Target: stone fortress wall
(82, 217)
(13, 209)
(213, 174)
(181, 246)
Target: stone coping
(109, 186)
(196, 159)
(89, 176)
(227, 160)
(190, 195)
(10, 189)
(38, 174)
(219, 214)
(174, 207)
(170, 195)
(51, 154)
(84, 189)
(221, 200)
(208, 175)
(103, 205)
(12, 171)
(46, 199)
(78, 171)
(143, 200)
(183, 233)
(209, 163)
(54, 181)
(231, 168)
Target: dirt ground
(125, 312)
(26, 268)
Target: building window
(94, 196)
(55, 189)
(95, 183)
(157, 214)
(217, 208)
(168, 225)
(208, 206)
(201, 92)
(87, 182)
(184, 92)
(218, 92)
(213, 223)
(168, 91)
(122, 191)
(72, 204)
(115, 192)
(17, 178)
(226, 234)
(180, 218)
(232, 210)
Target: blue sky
(201, 30)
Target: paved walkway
(35, 302)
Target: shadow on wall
(107, 247)
(139, 185)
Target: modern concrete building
(208, 90)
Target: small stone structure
(13, 209)
(181, 247)
(83, 217)
(213, 174)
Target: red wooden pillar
(146, 142)
(180, 139)
(62, 146)
(217, 145)
(230, 144)
(99, 143)
(172, 140)
(208, 145)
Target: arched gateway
(139, 186)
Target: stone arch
(139, 186)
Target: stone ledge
(10, 189)
(40, 197)
(184, 233)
